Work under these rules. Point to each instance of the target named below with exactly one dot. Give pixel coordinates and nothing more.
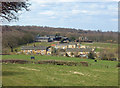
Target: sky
(87, 15)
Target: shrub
(15, 61)
(68, 63)
(91, 55)
(106, 54)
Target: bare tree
(10, 9)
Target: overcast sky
(77, 14)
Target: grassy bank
(53, 75)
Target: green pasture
(100, 46)
(103, 45)
(54, 75)
(95, 74)
(100, 73)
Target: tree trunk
(11, 49)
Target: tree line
(13, 36)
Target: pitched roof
(52, 44)
(42, 38)
(79, 49)
(62, 44)
(65, 44)
(33, 48)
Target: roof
(63, 44)
(79, 49)
(42, 37)
(52, 44)
(52, 36)
(33, 48)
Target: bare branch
(10, 9)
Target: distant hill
(18, 35)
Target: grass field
(54, 75)
(100, 73)
(103, 45)
(50, 75)
(100, 46)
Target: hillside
(17, 35)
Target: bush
(91, 55)
(67, 63)
(107, 55)
(15, 61)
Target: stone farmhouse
(42, 50)
(73, 49)
(64, 49)
(68, 45)
(81, 52)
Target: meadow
(100, 73)
(95, 74)
(102, 45)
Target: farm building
(49, 38)
(72, 45)
(68, 45)
(61, 46)
(78, 51)
(84, 39)
(42, 39)
(65, 40)
(36, 50)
